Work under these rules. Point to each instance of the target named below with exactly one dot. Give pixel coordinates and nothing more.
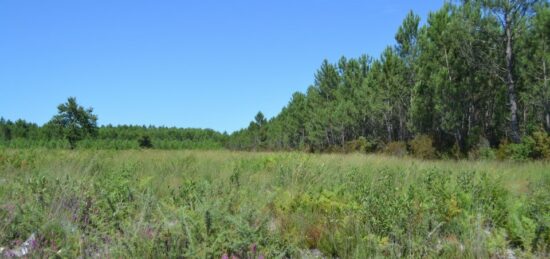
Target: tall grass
(207, 204)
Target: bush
(145, 142)
(516, 152)
(502, 151)
(541, 146)
(160, 204)
(456, 153)
(524, 150)
(396, 148)
(335, 149)
(485, 153)
(482, 150)
(358, 145)
(422, 147)
(536, 146)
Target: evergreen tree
(76, 122)
(512, 15)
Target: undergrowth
(211, 204)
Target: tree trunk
(388, 128)
(512, 98)
(402, 119)
(343, 135)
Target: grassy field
(215, 204)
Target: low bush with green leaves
(216, 204)
(396, 148)
(534, 146)
(422, 147)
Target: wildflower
(33, 243)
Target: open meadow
(275, 129)
(216, 204)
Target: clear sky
(193, 63)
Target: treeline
(22, 134)
(474, 77)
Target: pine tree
(75, 121)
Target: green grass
(204, 204)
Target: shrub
(145, 142)
(456, 153)
(396, 148)
(541, 146)
(357, 145)
(487, 153)
(334, 149)
(524, 150)
(516, 152)
(536, 146)
(422, 147)
(502, 151)
(161, 204)
(482, 150)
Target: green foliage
(451, 77)
(535, 146)
(502, 151)
(524, 150)
(485, 153)
(74, 121)
(422, 147)
(541, 145)
(207, 204)
(397, 148)
(359, 145)
(482, 150)
(111, 137)
(145, 142)
(448, 77)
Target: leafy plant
(422, 147)
(145, 142)
(396, 148)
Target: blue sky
(195, 63)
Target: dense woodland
(474, 76)
(22, 134)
